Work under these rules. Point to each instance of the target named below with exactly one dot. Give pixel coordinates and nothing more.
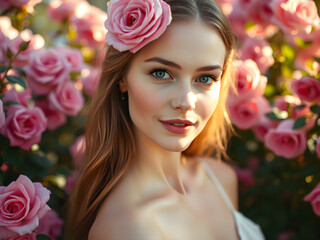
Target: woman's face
(173, 85)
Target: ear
(123, 85)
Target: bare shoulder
(124, 224)
(227, 177)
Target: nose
(184, 99)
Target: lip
(185, 127)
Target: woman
(158, 114)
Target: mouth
(177, 126)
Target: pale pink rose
(288, 102)
(246, 113)
(71, 180)
(249, 82)
(36, 42)
(258, 11)
(286, 142)
(307, 88)
(294, 16)
(314, 198)
(258, 50)
(55, 118)
(22, 203)
(74, 57)
(2, 115)
(318, 147)
(263, 127)
(90, 80)
(306, 55)
(61, 10)
(50, 225)
(20, 97)
(24, 126)
(77, 149)
(132, 24)
(88, 21)
(46, 70)
(31, 236)
(66, 98)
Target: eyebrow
(172, 64)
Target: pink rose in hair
(24, 126)
(314, 198)
(73, 56)
(90, 80)
(22, 203)
(66, 98)
(50, 225)
(2, 115)
(286, 142)
(46, 70)
(318, 147)
(307, 88)
(294, 16)
(55, 118)
(132, 24)
(259, 51)
(246, 113)
(61, 10)
(31, 236)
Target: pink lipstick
(177, 126)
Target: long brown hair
(109, 133)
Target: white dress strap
(215, 180)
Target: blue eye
(207, 79)
(160, 74)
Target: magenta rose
(132, 24)
(318, 147)
(90, 80)
(286, 142)
(73, 56)
(307, 88)
(50, 225)
(249, 82)
(66, 98)
(314, 198)
(246, 113)
(31, 236)
(55, 118)
(258, 50)
(22, 204)
(46, 69)
(295, 16)
(2, 115)
(24, 126)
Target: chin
(176, 147)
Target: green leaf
(9, 53)
(317, 59)
(18, 80)
(277, 115)
(63, 171)
(3, 69)
(8, 103)
(43, 237)
(301, 43)
(273, 116)
(300, 122)
(315, 109)
(23, 46)
(299, 106)
(20, 71)
(309, 64)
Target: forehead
(188, 43)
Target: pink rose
(318, 147)
(60, 10)
(263, 127)
(246, 113)
(295, 15)
(71, 180)
(259, 51)
(90, 80)
(4, 5)
(249, 82)
(314, 198)
(36, 42)
(88, 21)
(2, 115)
(46, 69)
(74, 57)
(259, 11)
(132, 24)
(307, 88)
(31, 236)
(20, 97)
(307, 54)
(286, 142)
(50, 225)
(24, 126)
(22, 203)
(77, 149)
(55, 118)
(66, 98)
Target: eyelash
(154, 71)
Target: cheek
(209, 103)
